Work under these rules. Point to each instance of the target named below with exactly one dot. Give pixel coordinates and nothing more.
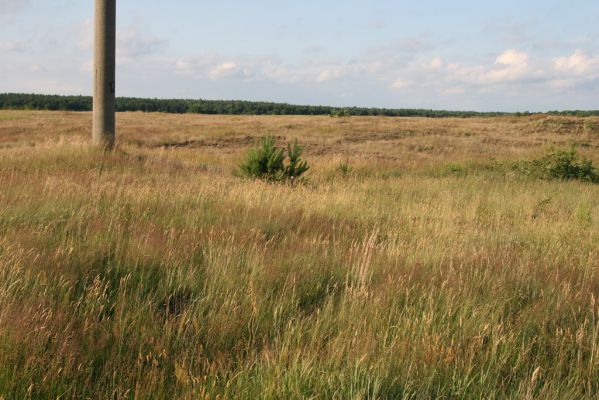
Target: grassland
(431, 270)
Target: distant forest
(18, 101)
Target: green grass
(130, 277)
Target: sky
(525, 55)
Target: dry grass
(429, 271)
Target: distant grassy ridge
(20, 101)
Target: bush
(340, 113)
(345, 169)
(267, 162)
(563, 164)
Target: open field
(430, 271)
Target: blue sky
(502, 55)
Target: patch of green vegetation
(345, 170)
(561, 164)
(340, 113)
(556, 164)
(267, 162)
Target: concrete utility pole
(104, 74)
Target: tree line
(21, 101)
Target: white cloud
(511, 67)
(133, 45)
(511, 71)
(275, 71)
(188, 65)
(224, 70)
(514, 65)
(562, 83)
(255, 68)
(210, 66)
(132, 42)
(578, 63)
(9, 45)
(574, 70)
(329, 75)
(513, 58)
(456, 90)
(400, 84)
(436, 64)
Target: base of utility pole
(104, 129)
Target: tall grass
(151, 274)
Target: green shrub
(345, 169)
(340, 113)
(267, 162)
(563, 164)
(297, 167)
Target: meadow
(414, 263)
